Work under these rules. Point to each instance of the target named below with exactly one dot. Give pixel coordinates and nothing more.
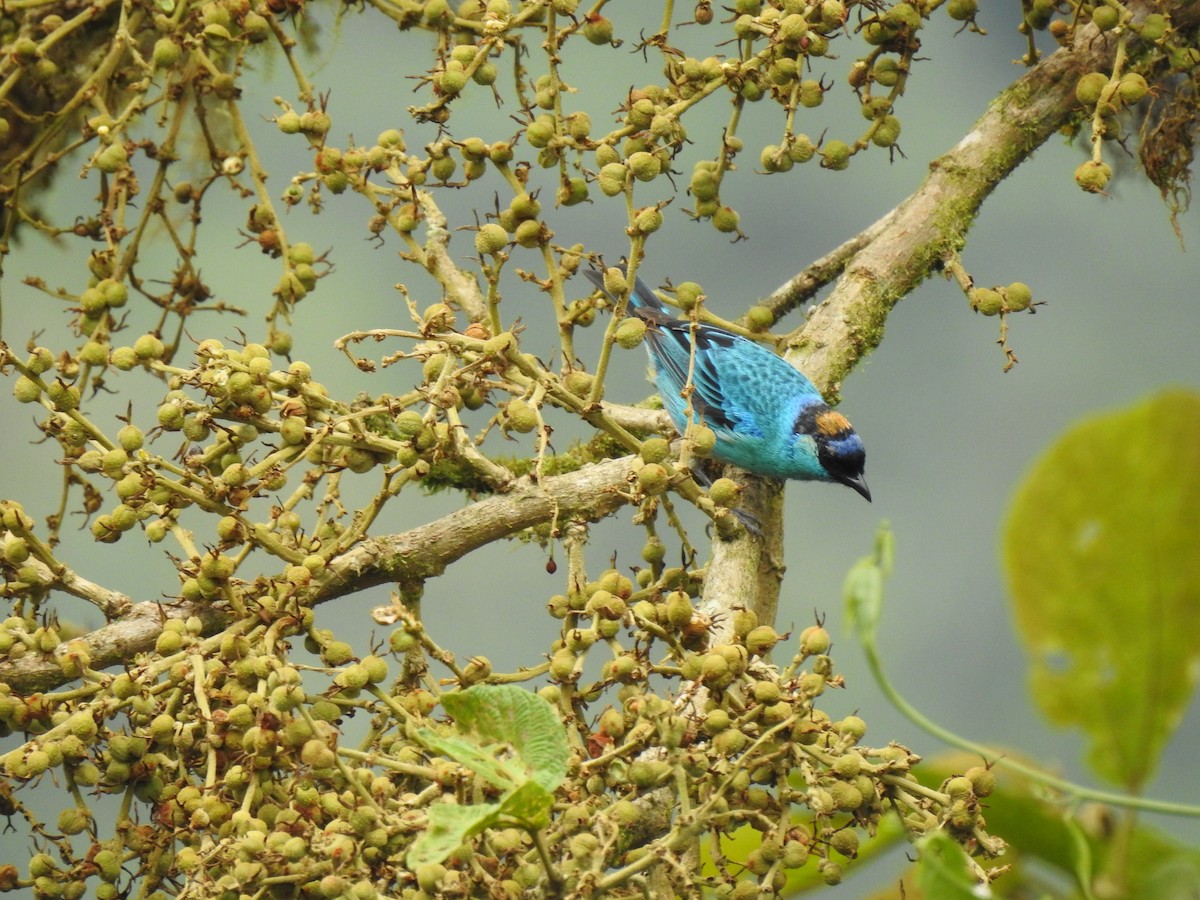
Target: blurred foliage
(1100, 550)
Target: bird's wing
(672, 343)
(750, 389)
(737, 385)
(646, 303)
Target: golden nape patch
(832, 423)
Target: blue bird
(769, 419)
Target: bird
(769, 419)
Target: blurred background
(949, 434)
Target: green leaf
(450, 824)
(1149, 864)
(862, 591)
(737, 845)
(513, 739)
(1101, 554)
(530, 804)
(507, 714)
(499, 773)
(943, 871)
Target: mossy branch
(891, 257)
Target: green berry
(540, 132)
(1093, 176)
(688, 294)
(852, 727)
(645, 166)
(168, 642)
(612, 179)
(725, 492)
(148, 346)
(26, 390)
(716, 721)
(983, 780)
(814, 641)
(845, 841)
(726, 219)
(986, 301)
(598, 30)
(731, 741)
(959, 788)
(648, 220)
(92, 302)
(1106, 17)
(1017, 296)
(130, 438)
(166, 53)
(1132, 88)
(886, 71)
(1089, 87)
(451, 81)
(759, 318)
(525, 207)
(40, 361)
(112, 158)
(16, 551)
(123, 358)
(528, 233)
(962, 10)
(773, 159)
(1154, 27)
(887, 132)
(761, 640)
(490, 239)
(630, 332)
(575, 191)
(704, 186)
(655, 450)
(653, 478)
(93, 354)
(903, 17)
(679, 608)
(519, 416)
(702, 439)
(579, 383)
(65, 397)
(812, 94)
(835, 155)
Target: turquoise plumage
(769, 419)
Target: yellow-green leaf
(1102, 550)
(943, 870)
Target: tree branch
(906, 245)
(883, 263)
(746, 572)
(422, 552)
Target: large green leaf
(513, 739)
(943, 870)
(507, 714)
(1102, 549)
(450, 824)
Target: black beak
(859, 483)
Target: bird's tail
(643, 302)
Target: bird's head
(838, 447)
